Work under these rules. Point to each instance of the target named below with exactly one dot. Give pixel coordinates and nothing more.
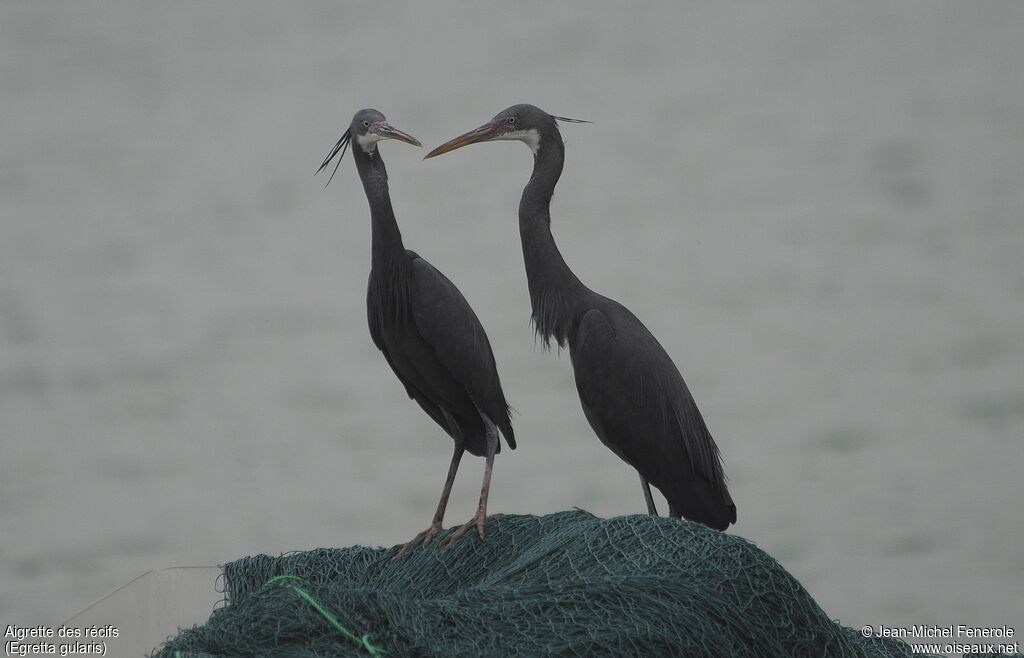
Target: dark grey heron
(426, 329)
(631, 391)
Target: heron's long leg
(481, 511)
(435, 526)
(651, 509)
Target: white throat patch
(368, 142)
(529, 137)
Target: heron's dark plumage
(631, 391)
(425, 328)
(639, 406)
(438, 349)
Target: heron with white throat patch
(631, 391)
(425, 328)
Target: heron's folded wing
(633, 385)
(449, 325)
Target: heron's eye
(511, 119)
(366, 124)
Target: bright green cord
(363, 641)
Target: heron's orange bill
(481, 134)
(387, 131)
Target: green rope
(363, 641)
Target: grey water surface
(818, 208)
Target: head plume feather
(342, 145)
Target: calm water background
(818, 209)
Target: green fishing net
(565, 584)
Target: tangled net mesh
(565, 584)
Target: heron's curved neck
(555, 292)
(387, 239)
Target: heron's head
(526, 123)
(367, 128)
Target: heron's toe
(422, 538)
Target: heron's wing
(429, 406)
(635, 391)
(378, 340)
(448, 324)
